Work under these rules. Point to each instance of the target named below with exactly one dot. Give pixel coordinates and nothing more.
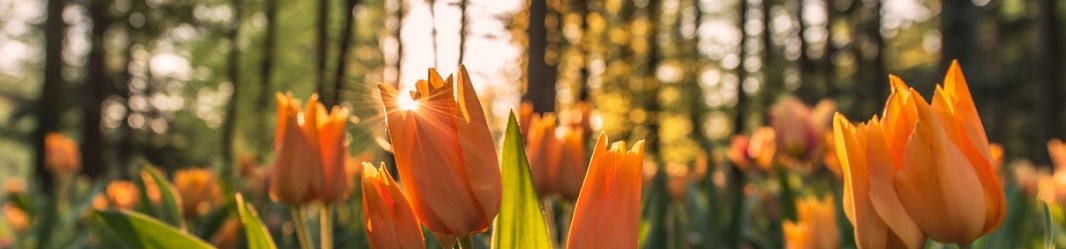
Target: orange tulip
(607, 212)
(544, 150)
(759, 149)
(996, 151)
(390, 222)
(119, 195)
(198, 189)
(829, 156)
(1057, 149)
(800, 130)
(572, 163)
(16, 218)
(445, 154)
(816, 227)
(309, 153)
(928, 158)
(62, 156)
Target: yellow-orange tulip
(198, 189)
(607, 212)
(445, 153)
(544, 151)
(390, 222)
(931, 159)
(800, 130)
(816, 227)
(119, 195)
(309, 153)
(1057, 150)
(572, 163)
(62, 156)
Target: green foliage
(169, 209)
(138, 231)
(256, 233)
(521, 222)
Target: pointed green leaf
(139, 231)
(257, 234)
(520, 223)
(171, 202)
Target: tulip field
(600, 124)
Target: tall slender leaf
(257, 234)
(170, 205)
(520, 223)
(138, 231)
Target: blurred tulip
(829, 157)
(119, 194)
(14, 186)
(679, 178)
(1027, 176)
(62, 156)
(525, 116)
(572, 163)
(816, 227)
(758, 150)
(996, 151)
(929, 158)
(198, 189)
(390, 222)
(800, 130)
(1057, 150)
(607, 212)
(445, 153)
(228, 234)
(577, 116)
(543, 148)
(309, 153)
(16, 218)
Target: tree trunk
(97, 85)
(1049, 57)
(322, 49)
(49, 103)
(958, 26)
(342, 60)
(233, 72)
(266, 72)
(399, 43)
(540, 88)
(433, 33)
(462, 30)
(742, 74)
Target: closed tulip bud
(572, 163)
(1057, 150)
(607, 212)
(310, 153)
(816, 227)
(932, 159)
(445, 154)
(543, 148)
(758, 150)
(800, 130)
(198, 189)
(62, 156)
(390, 222)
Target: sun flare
(407, 103)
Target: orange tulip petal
(883, 194)
(390, 221)
(609, 203)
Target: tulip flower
(198, 189)
(573, 164)
(390, 222)
(1057, 150)
(816, 227)
(444, 153)
(62, 156)
(607, 212)
(757, 150)
(929, 164)
(309, 153)
(996, 151)
(800, 130)
(544, 150)
(16, 218)
(119, 195)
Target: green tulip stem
(325, 220)
(466, 242)
(301, 228)
(963, 246)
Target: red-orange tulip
(931, 159)
(390, 222)
(607, 213)
(445, 154)
(758, 150)
(544, 151)
(62, 156)
(309, 153)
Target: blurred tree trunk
(342, 60)
(433, 32)
(878, 77)
(958, 26)
(233, 72)
(1049, 61)
(97, 84)
(266, 72)
(322, 49)
(50, 101)
(739, 126)
(540, 87)
(462, 30)
(399, 43)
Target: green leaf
(1049, 228)
(520, 223)
(137, 231)
(171, 202)
(257, 234)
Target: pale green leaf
(257, 234)
(171, 201)
(139, 231)
(521, 222)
